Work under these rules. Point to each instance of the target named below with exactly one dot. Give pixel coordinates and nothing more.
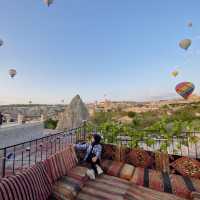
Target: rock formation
(73, 115)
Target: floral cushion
(109, 151)
(139, 158)
(187, 167)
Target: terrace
(134, 167)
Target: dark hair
(97, 138)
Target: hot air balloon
(48, 2)
(185, 44)
(12, 73)
(175, 73)
(189, 24)
(1, 42)
(185, 89)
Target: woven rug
(112, 188)
(104, 188)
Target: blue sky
(124, 49)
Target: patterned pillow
(109, 151)
(187, 167)
(139, 158)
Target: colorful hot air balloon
(175, 73)
(12, 73)
(185, 89)
(185, 44)
(48, 2)
(1, 42)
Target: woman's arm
(98, 151)
(81, 146)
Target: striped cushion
(78, 173)
(31, 184)
(115, 168)
(127, 171)
(119, 169)
(66, 188)
(136, 192)
(149, 178)
(69, 158)
(176, 184)
(104, 188)
(183, 186)
(52, 168)
(60, 163)
(112, 168)
(105, 164)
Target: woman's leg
(93, 165)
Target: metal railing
(20, 156)
(184, 144)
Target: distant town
(23, 113)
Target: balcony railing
(183, 144)
(21, 156)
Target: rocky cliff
(73, 115)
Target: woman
(93, 155)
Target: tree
(131, 114)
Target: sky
(125, 50)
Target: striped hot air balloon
(12, 73)
(185, 89)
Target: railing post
(4, 163)
(84, 129)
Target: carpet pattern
(104, 188)
(112, 188)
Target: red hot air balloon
(185, 89)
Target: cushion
(127, 171)
(183, 186)
(69, 158)
(78, 173)
(52, 168)
(60, 163)
(136, 192)
(66, 188)
(112, 168)
(30, 184)
(149, 178)
(139, 158)
(179, 185)
(187, 167)
(109, 151)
